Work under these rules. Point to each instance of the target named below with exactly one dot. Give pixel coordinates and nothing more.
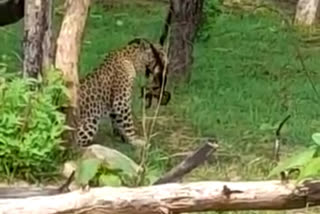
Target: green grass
(10, 46)
(246, 79)
(103, 33)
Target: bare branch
(190, 163)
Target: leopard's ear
(147, 45)
(141, 41)
(135, 41)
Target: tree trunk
(36, 23)
(307, 12)
(47, 43)
(67, 56)
(186, 16)
(176, 198)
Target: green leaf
(311, 169)
(30, 128)
(109, 180)
(316, 138)
(86, 170)
(113, 159)
(296, 161)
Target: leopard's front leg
(121, 114)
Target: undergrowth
(30, 127)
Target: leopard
(108, 90)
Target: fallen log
(190, 197)
(24, 192)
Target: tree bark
(307, 12)
(67, 56)
(35, 25)
(191, 197)
(186, 16)
(47, 43)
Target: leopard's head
(155, 58)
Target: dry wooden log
(24, 192)
(191, 197)
(191, 162)
(187, 165)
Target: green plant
(96, 172)
(307, 161)
(101, 166)
(31, 126)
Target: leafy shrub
(30, 126)
(306, 162)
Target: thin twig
(148, 135)
(277, 143)
(142, 161)
(65, 187)
(161, 94)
